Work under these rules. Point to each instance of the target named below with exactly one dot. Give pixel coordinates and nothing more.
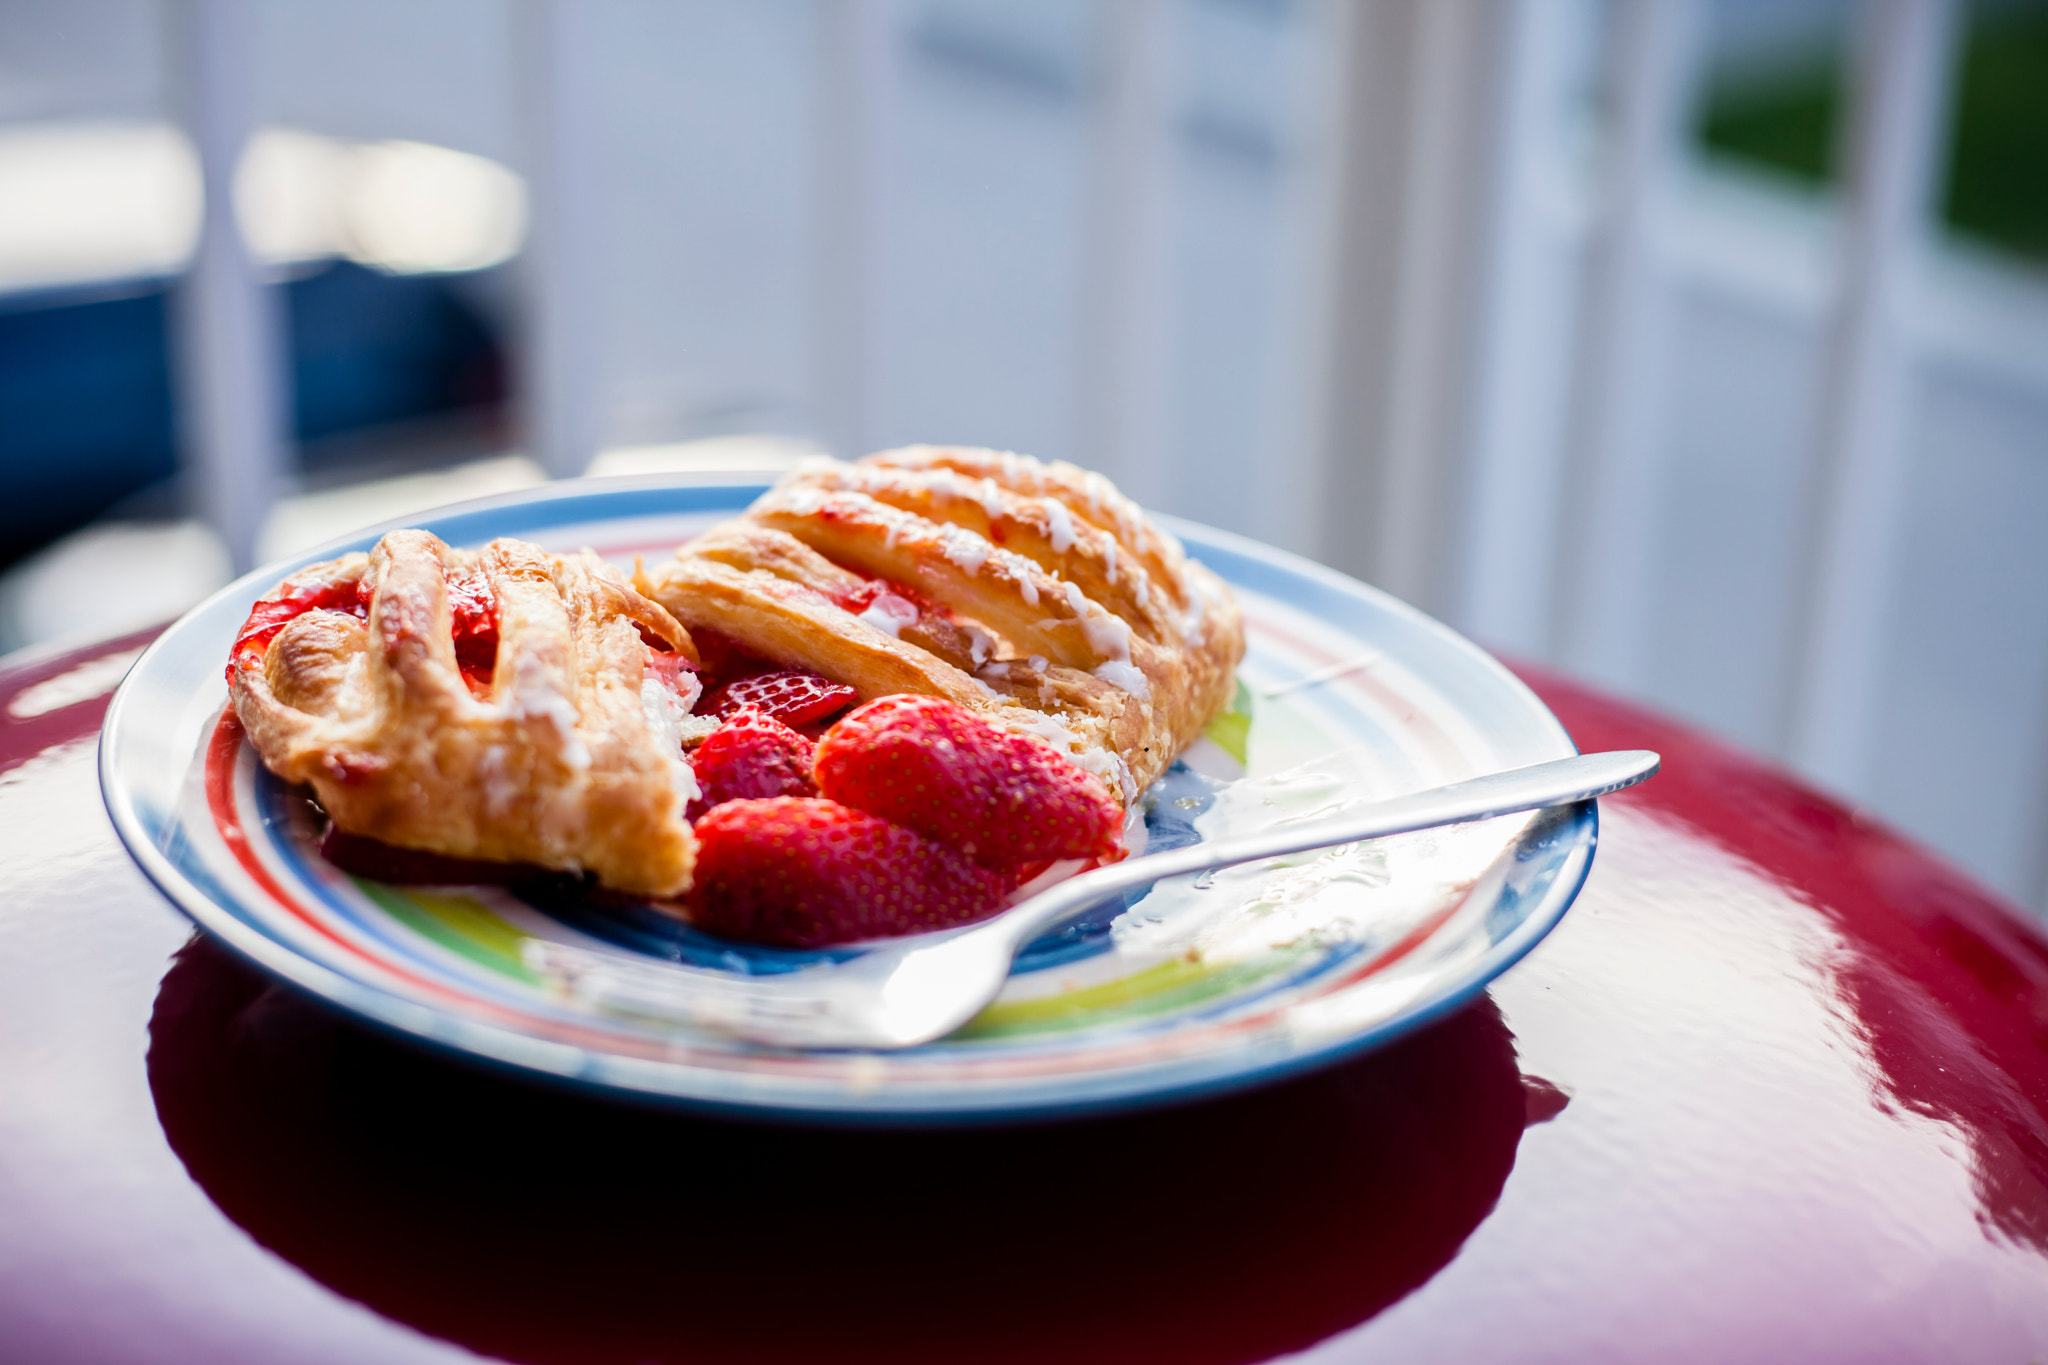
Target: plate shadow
(539, 1226)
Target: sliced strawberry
(791, 695)
(806, 872)
(473, 607)
(1002, 799)
(751, 756)
(724, 659)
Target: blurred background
(1695, 347)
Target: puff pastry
(1033, 593)
(559, 747)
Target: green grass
(1786, 123)
(1996, 185)
(1998, 180)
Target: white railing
(1438, 377)
(855, 140)
(1604, 601)
(1455, 416)
(229, 362)
(1121, 392)
(562, 387)
(1897, 116)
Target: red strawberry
(1002, 799)
(288, 601)
(791, 695)
(751, 755)
(474, 608)
(723, 659)
(804, 872)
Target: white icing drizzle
(1036, 663)
(534, 696)
(803, 501)
(500, 791)
(889, 614)
(1062, 525)
(980, 644)
(663, 711)
(1047, 728)
(991, 498)
(689, 687)
(966, 550)
(666, 713)
(946, 482)
(820, 471)
(1109, 548)
(1103, 765)
(1194, 618)
(1101, 494)
(896, 523)
(1125, 780)
(1023, 572)
(1125, 676)
(961, 547)
(1109, 636)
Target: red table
(1777, 1089)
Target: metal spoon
(912, 990)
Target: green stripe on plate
(1177, 983)
(461, 924)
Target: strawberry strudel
(507, 705)
(1024, 653)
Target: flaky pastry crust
(1037, 595)
(565, 759)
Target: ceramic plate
(1197, 985)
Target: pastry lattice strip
(1034, 593)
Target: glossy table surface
(1777, 1089)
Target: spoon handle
(1578, 778)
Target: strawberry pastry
(506, 705)
(880, 702)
